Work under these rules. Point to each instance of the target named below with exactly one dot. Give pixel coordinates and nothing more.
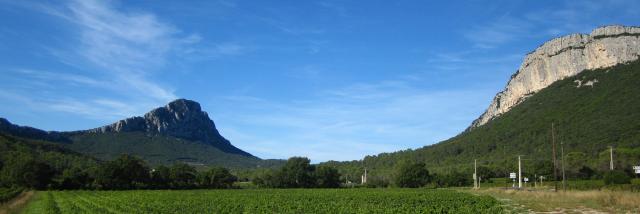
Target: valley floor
(348, 200)
(354, 200)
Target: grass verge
(564, 202)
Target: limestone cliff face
(181, 119)
(561, 58)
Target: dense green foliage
(7, 194)
(264, 201)
(298, 173)
(161, 150)
(128, 172)
(412, 175)
(216, 177)
(616, 177)
(39, 165)
(587, 120)
(327, 177)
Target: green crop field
(263, 201)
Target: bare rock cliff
(181, 118)
(561, 58)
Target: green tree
(544, 168)
(265, 179)
(297, 172)
(485, 173)
(74, 178)
(182, 175)
(327, 177)
(586, 172)
(616, 177)
(125, 172)
(412, 175)
(161, 177)
(216, 177)
(22, 170)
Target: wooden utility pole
(519, 172)
(475, 174)
(506, 169)
(555, 165)
(363, 177)
(611, 158)
(564, 185)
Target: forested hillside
(590, 112)
(39, 164)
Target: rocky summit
(181, 118)
(561, 58)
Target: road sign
(526, 179)
(637, 169)
(512, 175)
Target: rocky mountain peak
(564, 57)
(183, 107)
(181, 118)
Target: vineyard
(263, 201)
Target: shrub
(412, 175)
(616, 177)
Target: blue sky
(330, 80)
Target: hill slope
(564, 57)
(23, 161)
(177, 132)
(591, 111)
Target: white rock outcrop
(561, 58)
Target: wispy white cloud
(96, 109)
(114, 51)
(504, 30)
(335, 7)
(565, 17)
(130, 45)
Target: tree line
(298, 172)
(126, 172)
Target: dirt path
(16, 203)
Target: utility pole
(611, 158)
(564, 185)
(365, 175)
(506, 170)
(475, 174)
(555, 164)
(519, 172)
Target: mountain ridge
(561, 58)
(178, 131)
(181, 118)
